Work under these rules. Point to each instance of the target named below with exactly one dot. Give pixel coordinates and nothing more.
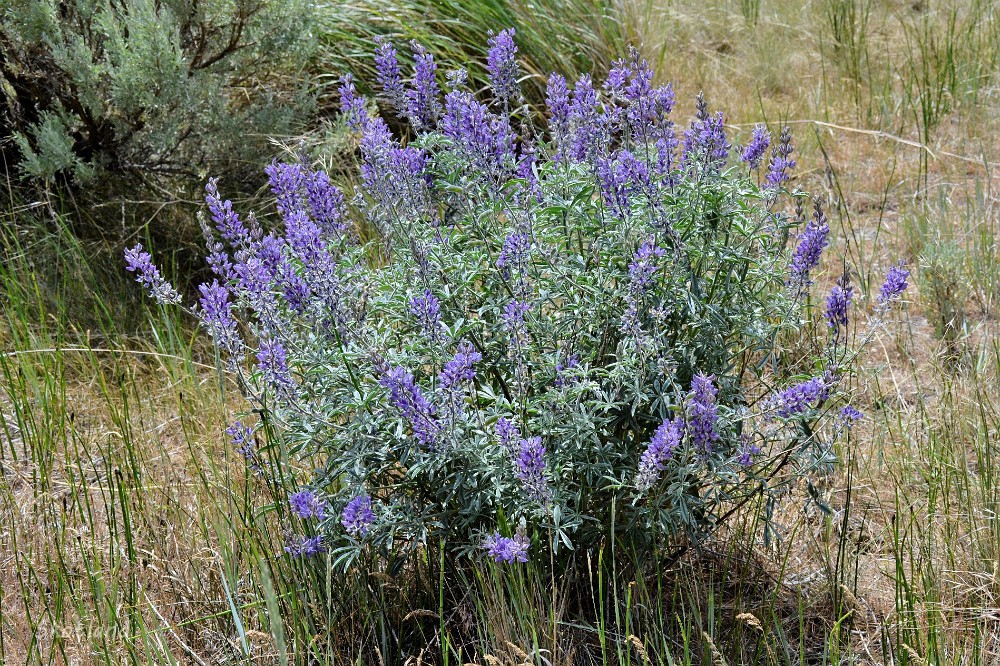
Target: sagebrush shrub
(552, 336)
(150, 89)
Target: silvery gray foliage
(572, 329)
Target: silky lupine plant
(547, 318)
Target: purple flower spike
(622, 177)
(148, 275)
(564, 370)
(216, 312)
(747, 452)
(846, 418)
(307, 504)
(358, 516)
(702, 412)
(303, 546)
(242, 438)
(287, 182)
(795, 400)
(809, 250)
(351, 104)
(485, 138)
(760, 141)
(706, 139)
(781, 160)
(585, 122)
(502, 66)
(326, 202)
(407, 397)
(557, 99)
(225, 218)
(389, 77)
(507, 432)
(507, 550)
(530, 464)
(513, 316)
(427, 310)
(514, 253)
(272, 362)
(838, 303)
(458, 371)
(643, 267)
(660, 449)
(894, 285)
(424, 107)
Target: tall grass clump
(951, 55)
(523, 345)
(577, 36)
(847, 26)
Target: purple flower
(838, 303)
(514, 254)
(393, 176)
(483, 137)
(564, 376)
(585, 122)
(358, 515)
(225, 218)
(272, 362)
(424, 107)
(706, 139)
(760, 140)
(506, 550)
(660, 449)
(307, 504)
(621, 178)
(796, 399)
(427, 310)
(351, 104)
(148, 275)
(702, 412)
(666, 146)
(507, 432)
(810, 248)
(617, 77)
(303, 546)
(557, 99)
(643, 267)
(502, 66)
(747, 451)
(894, 285)
(287, 181)
(513, 317)
(216, 314)
(242, 438)
(781, 160)
(389, 77)
(407, 397)
(846, 418)
(326, 202)
(530, 468)
(459, 371)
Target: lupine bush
(521, 341)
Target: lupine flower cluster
(551, 326)
(812, 241)
(358, 515)
(307, 504)
(507, 550)
(760, 141)
(895, 284)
